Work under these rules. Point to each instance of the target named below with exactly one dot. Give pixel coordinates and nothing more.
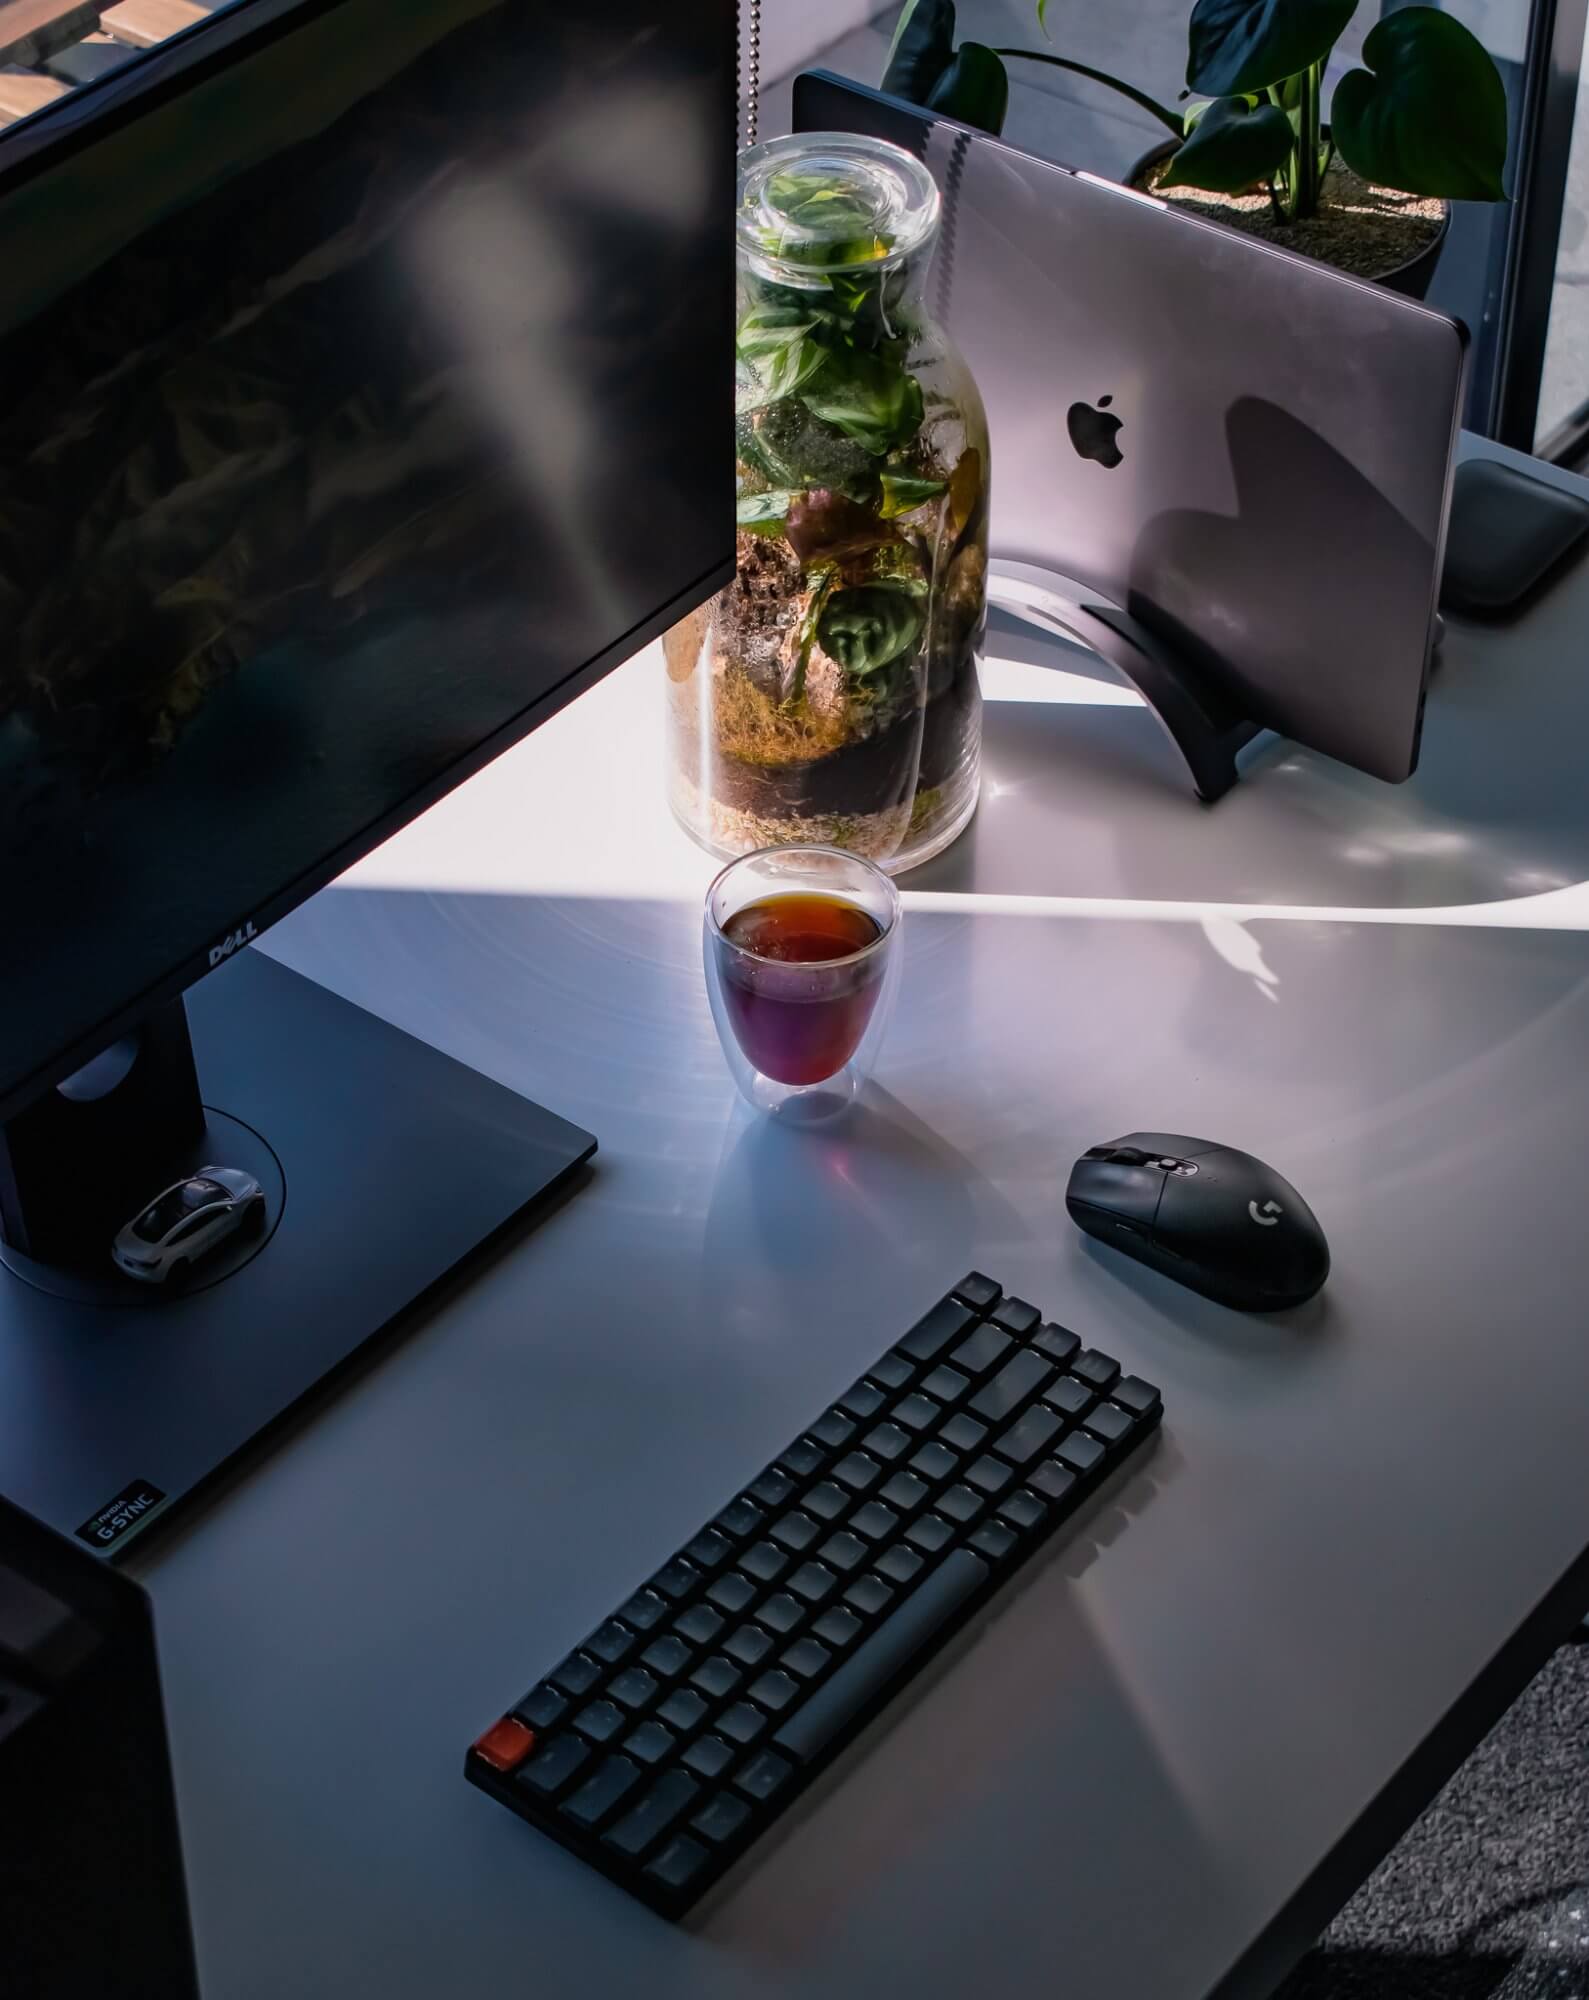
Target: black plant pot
(1411, 279)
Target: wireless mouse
(1212, 1218)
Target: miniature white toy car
(192, 1218)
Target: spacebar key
(898, 1641)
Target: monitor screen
(367, 382)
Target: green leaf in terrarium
(868, 627)
(903, 496)
(867, 396)
(790, 447)
(762, 513)
(775, 344)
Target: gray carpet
(1487, 1898)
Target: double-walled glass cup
(802, 960)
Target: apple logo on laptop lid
(1094, 432)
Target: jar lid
(817, 202)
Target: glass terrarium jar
(830, 695)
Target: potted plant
(1421, 123)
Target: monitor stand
(386, 1166)
(1202, 723)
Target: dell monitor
(367, 393)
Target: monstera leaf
(1239, 46)
(1231, 144)
(969, 83)
(1428, 112)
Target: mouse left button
(1126, 1191)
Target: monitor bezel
(81, 119)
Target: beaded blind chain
(752, 68)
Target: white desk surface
(1118, 1782)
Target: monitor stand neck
(1201, 721)
(81, 1158)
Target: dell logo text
(233, 941)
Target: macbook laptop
(1248, 452)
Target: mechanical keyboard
(664, 1745)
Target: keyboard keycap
(667, 1656)
(833, 1428)
(985, 1347)
(837, 1627)
(720, 1818)
(772, 1489)
(863, 1401)
(552, 1767)
(739, 1518)
(1015, 1316)
(918, 1412)
(542, 1706)
(1023, 1510)
(1052, 1479)
(700, 1624)
(1139, 1397)
(893, 1371)
(844, 1551)
(1080, 1452)
(709, 1755)
(1109, 1422)
(650, 1743)
(934, 1461)
(634, 1687)
(577, 1675)
(795, 1531)
(875, 1521)
(963, 1432)
(763, 1774)
(929, 1533)
(742, 1723)
(1029, 1434)
(899, 1564)
(611, 1642)
(977, 1291)
(893, 1646)
(960, 1504)
(1057, 1342)
(671, 1795)
(676, 1579)
(857, 1471)
(989, 1475)
(806, 1658)
(886, 1442)
(709, 1549)
(733, 1592)
(505, 1745)
(644, 1610)
(1070, 1397)
(613, 1779)
(1099, 1371)
(679, 1862)
(748, 1645)
(826, 1501)
(716, 1677)
(601, 1720)
(781, 1613)
(682, 1709)
(774, 1691)
(933, 1332)
(994, 1539)
(947, 1384)
(904, 1491)
(1020, 1377)
(803, 1457)
(813, 1581)
(764, 1561)
(869, 1594)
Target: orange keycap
(505, 1744)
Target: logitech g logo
(1267, 1216)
